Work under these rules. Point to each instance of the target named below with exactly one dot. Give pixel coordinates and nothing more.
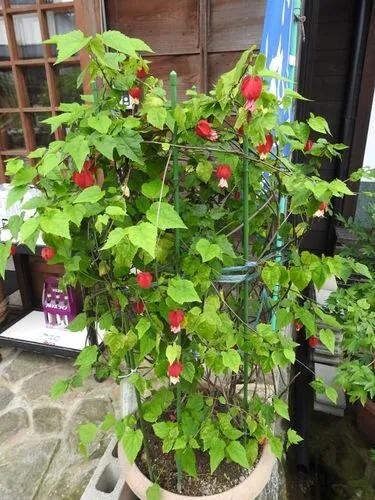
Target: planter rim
(249, 489)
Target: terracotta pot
(366, 420)
(247, 490)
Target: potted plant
(172, 218)
(354, 307)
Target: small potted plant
(173, 218)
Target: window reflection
(22, 2)
(60, 23)
(4, 49)
(36, 85)
(11, 133)
(8, 96)
(28, 37)
(67, 82)
(42, 131)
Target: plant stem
(141, 420)
(245, 297)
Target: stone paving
(39, 456)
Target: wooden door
(199, 39)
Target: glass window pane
(28, 37)
(60, 23)
(4, 49)
(8, 96)
(56, 1)
(11, 133)
(42, 131)
(67, 82)
(22, 2)
(36, 85)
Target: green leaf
(24, 176)
(164, 216)
(124, 44)
(68, 44)
(114, 237)
(91, 194)
(143, 236)
(153, 492)
(327, 338)
(99, 123)
(87, 433)
(331, 394)
(293, 437)
(129, 144)
(276, 446)
(271, 275)
(88, 356)
(79, 323)
(28, 228)
(182, 291)
(237, 454)
(187, 461)
(204, 170)
(59, 388)
(156, 116)
(55, 222)
(188, 371)
(281, 408)
(105, 145)
(232, 360)
(251, 448)
(154, 188)
(295, 95)
(207, 250)
(115, 211)
(173, 352)
(361, 269)
(4, 256)
(78, 148)
(319, 124)
(37, 153)
(217, 453)
(300, 277)
(15, 194)
(132, 443)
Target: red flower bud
(264, 149)
(13, 250)
(237, 194)
(141, 73)
(174, 371)
(251, 87)
(313, 341)
(135, 93)
(298, 325)
(144, 280)
(83, 179)
(204, 129)
(138, 307)
(308, 146)
(223, 173)
(175, 318)
(47, 253)
(323, 206)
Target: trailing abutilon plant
(150, 210)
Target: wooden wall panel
(235, 25)
(220, 62)
(186, 67)
(168, 26)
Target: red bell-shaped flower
(264, 149)
(175, 318)
(204, 129)
(321, 210)
(251, 88)
(174, 371)
(141, 73)
(313, 341)
(83, 179)
(47, 253)
(223, 173)
(138, 307)
(144, 279)
(308, 146)
(135, 93)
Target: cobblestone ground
(39, 459)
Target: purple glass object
(59, 307)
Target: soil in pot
(226, 476)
